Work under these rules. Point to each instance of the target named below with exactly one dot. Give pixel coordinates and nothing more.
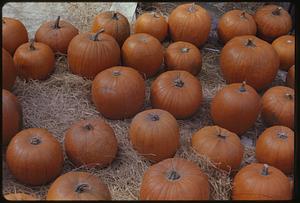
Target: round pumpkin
(34, 60)
(183, 56)
(143, 52)
(261, 182)
(91, 142)
(34, 156)
(114, 24)
(189, 23)
(221, 146)
(248, 58)
(154, 134)
(278, 106)
(9, 72)
(56, 34)
(290, 78)
(14, 34)
(152, 24)
(235, 23)
(272, 21)
(78, 186)
(275, 146)
(174, 179)
(236, 107)
(285, 48)
(177, 92)
(90, 53)
(11, 116)
(119, 92)
(19, 197)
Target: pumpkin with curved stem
(285, 48)
(9, 72)
(290, 78)
(19, 196)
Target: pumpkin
(236, 107)
(34, 60)
(183, 56)
(278, 106)
(285, 48)
(14, 34)
(272, 21)
(90, 53)
(91, 142)
(9, 72)
(275, 146)
(143, 52)
(221, 146)
(235, 23)
(19, 197)
(174, 179)
(248, 58)
(118, 92)
(258, 181)
(34, 156)
(56, 34)
(154, 133)
(11, 116)
(114, 24)
(290, 78)
(189, 23)
(152, 24)
(177, 92)
(78, 186)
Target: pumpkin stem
(115, 16)
(153, 117)
(116, 73)
(95, 37)
(81, 188)
(155, 15)
(31, 45)
(277, 11)
(88, 127)
(222, 136)
(173, 175)
(35, 141)
(250, 43)
(289, 96)
(185, 50)
(242, 88)
(56, 24)
(178, 82)
(243, 15)
(265, 170)
(282, 135)
(192, 8)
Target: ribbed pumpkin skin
(189, 23)
(221, 146)
(290, 78)
(19, 196)
(250, 184)
(191, 185)
(275, 146)
(248, 58)
(78, 186)
(285, 48)
(9, 72)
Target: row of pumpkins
(118, 92)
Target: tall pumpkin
(9, 72)
(285, 48)
(290, 78)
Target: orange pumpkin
(285, 48)
(19, 197)
(290, 78)
(9, 72)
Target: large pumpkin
(177, 92)
(236, 107)
(174, 179)
(90, 53)
(118, 92)
(91, 142)
(221, 146)
(183, 56)
(9, 72)
(290, 78)
(78, 186)
(275, 146)
(261, 182)
(189, 23)
(154, 134)
(19, 197)
(34, 156)
(248, 58)
(285, 48)
(143, 52)
(278, 106)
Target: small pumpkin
(91, 142)
(258, 181)
(9, 72)
(190, 23)
(143, 52)
(174, 179)
(275, 146)
(90, 53)
(56, 34)
(221, 146)
(183, 56)
(236, 107)
(114, 24)
(285, 48)
(78, 186)
(19, 197)
(34, 60)
(34, 156)
(154, 134)
(235, 23)
(14, 34)
(119, 92)
(278, 105)
(248, 58)
(290, 78)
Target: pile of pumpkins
(118, 63)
